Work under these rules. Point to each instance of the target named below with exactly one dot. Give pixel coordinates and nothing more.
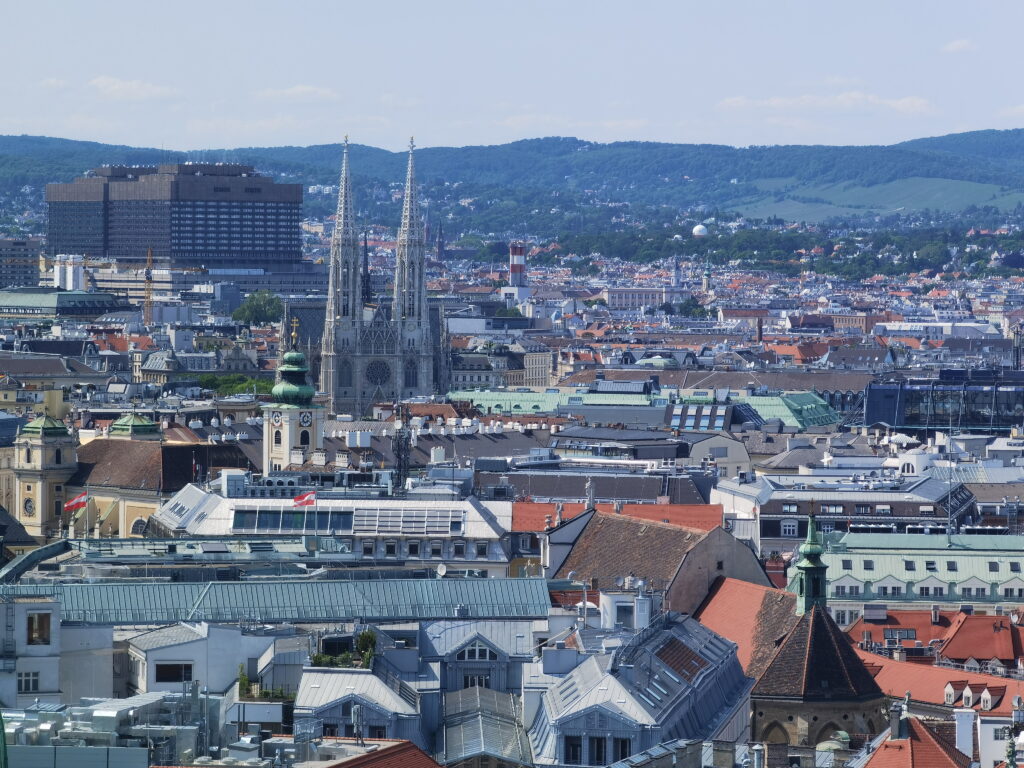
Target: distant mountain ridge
(512, 182)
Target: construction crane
(147, 301)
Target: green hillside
(553, 184)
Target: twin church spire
(347, 283)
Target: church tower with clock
(386, 351)
(292, 424)
(44, 459)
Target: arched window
(138, 527)
(28, 455)
(476, 651)
(908, 469)
(277, 437)
(304, 437)
(412, 375)
(345, 374)
(56, 456)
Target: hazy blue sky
(220, 73)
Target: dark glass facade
(979, 401)
(191, 215)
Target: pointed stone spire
(344, 282)
(410, 302)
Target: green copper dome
(45, 425)
(292, 388)
(134, 425)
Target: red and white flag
(307, 499)
(79, 502)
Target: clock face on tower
(276, 418)
(30, 507)
(305, 418)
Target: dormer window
(950, 697)
(968, 698)
(477, 651)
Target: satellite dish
(571, 575)
(619, 581)
(641, 584)
(442, 569)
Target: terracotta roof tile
(754, 617)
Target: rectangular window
(38, 629)
(1015, 567)
(938, 591)
(909, 565)
(924, 591)
(929, 565)
(840, 590)
(883, 509)
(391, 548)
(883, 591)
(896, 591)
(459, 549)
(367, 549)
(789, 528)
(573, 749)
(598, 746)
(993, 566)
(435, 549)
(790, 509)
(481, 549)
(476, 681)
(28, 682)
(869, 565)
(621, 749)
(414, 549)
(951, 565)
(378, 732)
(862, 509)
(173, 673)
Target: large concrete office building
(19, 261)
(191, 214)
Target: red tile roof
(529, 516)
(982, 638)
(928, 684)
(921, 749)
(756, 618)
(919, 621)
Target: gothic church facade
(383, 351)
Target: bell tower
(292, 424)
(44, 460)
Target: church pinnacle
(410, 294)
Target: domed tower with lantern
(44, 460)
(292, 424)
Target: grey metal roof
(441, 638)
(178, 634)
(281, 600)
(321, 688)
(484, 722)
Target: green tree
(259, 308)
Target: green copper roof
(134, 424)
(44, 425)
(292, 389)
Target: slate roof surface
(816, 662)
(573, 486)
(611, 546)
